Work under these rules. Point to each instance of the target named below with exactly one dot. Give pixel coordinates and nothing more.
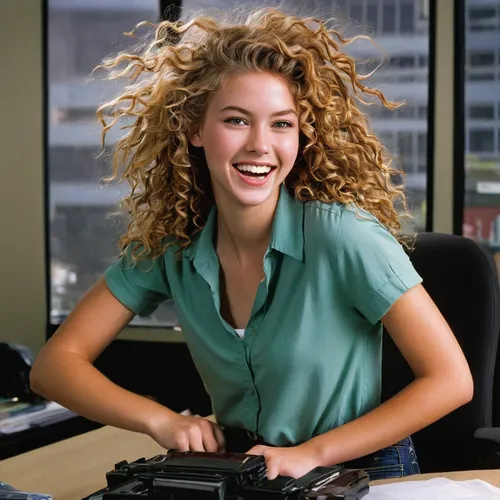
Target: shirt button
(252, 392)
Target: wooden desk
(76, 467)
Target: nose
(259, 141)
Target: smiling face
(250, 137)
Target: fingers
(196, 442)
(182, 444)
(209, 440)
(205, 436)
(219, 437)
(189, 441)
(273, 463)
(257, 450)
(195, 433)
(202, 437)
(212, 435)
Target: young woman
(264, 206)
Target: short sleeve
(141, 286)
(373, 267)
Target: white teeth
(254, 169)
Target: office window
(80, 33)
(83, 236)
(482, 126)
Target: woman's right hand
(186, 433)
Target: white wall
(22, 267)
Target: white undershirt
(241, 331)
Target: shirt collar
(287, 233)
(288, 227)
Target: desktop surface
(76, 467)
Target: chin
(254, 196)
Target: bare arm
(442, 383)
(64, 372)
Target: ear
(196, 140)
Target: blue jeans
(394, 461)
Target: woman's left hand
(294, 461)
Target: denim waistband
(397, 460)
(240, 440)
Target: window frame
(459, 118)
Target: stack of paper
(50, 414)
(435, 489)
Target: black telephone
(15, 366)
(220, 476)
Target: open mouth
(254, 171)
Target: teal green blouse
(310, 358)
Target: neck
(245, 231)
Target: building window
(372, 15)
(483, 18)
(422, 111)
(388, 17)
(481, 112)
(406, 17)
(482, 141)
(481, 14)
(481, 59)
(356, 11)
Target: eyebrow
(245, 112)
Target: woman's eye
(235, 121)
(241, 121)
(283, 124)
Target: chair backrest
(496, 393)
(461, 278)
(496, 380)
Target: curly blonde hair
(171, 81)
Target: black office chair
(489, 437)
(461, 278)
